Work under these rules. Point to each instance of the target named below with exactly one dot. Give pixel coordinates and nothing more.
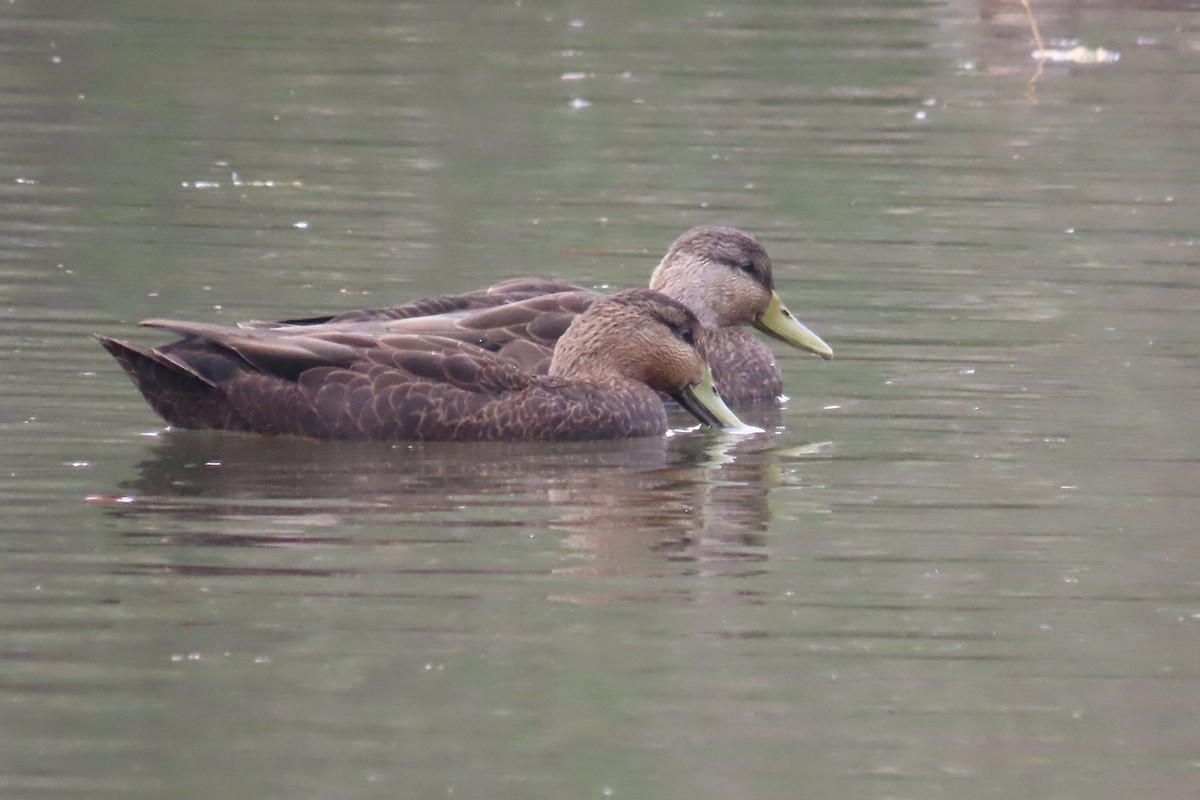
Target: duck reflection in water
(383, 508)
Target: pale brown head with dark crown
(724, 276)
(637, 334)
(644, 336)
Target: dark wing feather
(528, 356)
(458, 364)
(509, 291)
(540, 320)
(283, 356)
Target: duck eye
(686, 334)
(747, 267)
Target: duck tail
(176, 393)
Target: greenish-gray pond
(961, 562)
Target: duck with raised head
(603, 380)
(722, 274)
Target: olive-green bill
(778, 322)
(702, 401)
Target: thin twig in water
(1031, 87)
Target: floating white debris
(1077, 55)
(579, 103)
(235, 179)
(300, 225)
(573, 76)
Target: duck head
(645, 336)
(724, 276)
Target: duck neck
(584, 352)
(576, 359)
(694, 291)
(578, 367)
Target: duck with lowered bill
(338, 382)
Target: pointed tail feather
(176, 394)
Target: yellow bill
(778, 322)
(702, 401)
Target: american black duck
(340, 382)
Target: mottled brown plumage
(331, 381)
(722, 274)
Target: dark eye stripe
(742, 265)
(760, 273)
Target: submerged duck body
(603, 381)
(723, 275)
